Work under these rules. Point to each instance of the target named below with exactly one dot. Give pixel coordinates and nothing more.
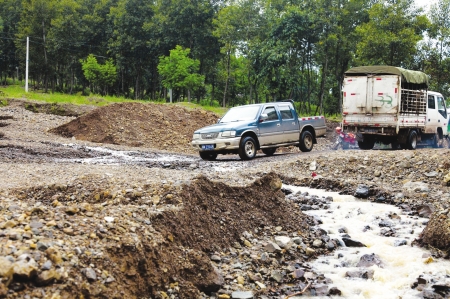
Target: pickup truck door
(270, 129)
(289, 124)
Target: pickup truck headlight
(196, 136)
(228, 133)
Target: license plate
(207, 146)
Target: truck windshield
(240, 113)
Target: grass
(18, 92)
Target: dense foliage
(219, 52)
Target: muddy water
(365, 222)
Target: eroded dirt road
(120, 206)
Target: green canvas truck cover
(414, 77)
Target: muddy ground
(111, 202)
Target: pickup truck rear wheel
(412, 140)
(269, 151)
(306, 141)
(208, 156)
(247, 148)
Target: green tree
(391, 35)
(100, 76)
(179, 71)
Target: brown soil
(159, 126)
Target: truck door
(432, 115)
(443, 117)
(270, 126)
(289, 124)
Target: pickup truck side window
(441, 107)
(286, 112)
(271, 113)
(431, 103)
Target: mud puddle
(377, 257)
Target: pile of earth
(159, 126)
(97, 239)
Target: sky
(424, 3)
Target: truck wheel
(412, 140)
(366, 145)
(208, 156)
(247, 148)
(306, 141)
(269, 151)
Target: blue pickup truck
(245, 129)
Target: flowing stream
(388, 233)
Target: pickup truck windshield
(240, 113)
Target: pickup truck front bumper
(218, 144)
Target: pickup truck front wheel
(247, 148)
(306, 141)
(208, 156)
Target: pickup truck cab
(245, 129)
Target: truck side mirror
(263, 117)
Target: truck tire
(366, 145)
(412, 140)
(247, 148)
(269, 151)
(208, 156)
(306, 141)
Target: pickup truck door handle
(293, 123)
(278, 125)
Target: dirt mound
(149, 249)
(215, 215)
(160, 126)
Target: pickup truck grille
(210, 135)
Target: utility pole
(26, 66)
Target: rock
(272, 247)
(275, 184)
(437, 232)
(90, 274)
(216, 258)
(385, 223)
(399, 243)
(317, 243)
(242, 295)
(240, 280)
(283, 241)
(334, 291)
(414, 187)
(47, 265)
(47, 277)
(368, 260)
(365, 274)
(321, 289)
(72, 210)
(298, 273)
(362, 191)
(54, 255)
(277, 276)
(313, 166)
(425, 211)
(6, 270)
(310, 251)
(352, 243)
(24, 270)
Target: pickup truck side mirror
(218, 120)
(263, 117)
